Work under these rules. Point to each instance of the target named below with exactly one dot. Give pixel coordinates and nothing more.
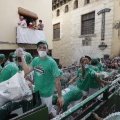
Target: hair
(18, 59)
(60, 66)
(1, 60)
(83, 69)
(98, 59)
(93, 62)
(40, 21)
(11, 58)
(89, 58)
(41, 43)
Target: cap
(2, 56)
(94, 59)
(12, 54)
(98, 59)
(88, 57)
(42, 42)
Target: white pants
(92, 91)
(85, 93)
(48, 102)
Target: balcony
(29, 36)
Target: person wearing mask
(46, 74)
(86, 76)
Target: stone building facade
(84, 27)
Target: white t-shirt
(23, 23)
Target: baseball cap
(12, 54)
(42, 42)
(94, 59)
(2, 56)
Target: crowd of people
(32, 24)
(58, 87)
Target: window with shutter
(76, 4)
(86, 1)
(88, 23)
(56, 31)
(58, 12)
(66, 9)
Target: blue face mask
(87, 65)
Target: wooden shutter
(88, 23)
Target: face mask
(13, 59)
(42, 54)
(86, 66)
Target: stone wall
(69, 47)
(116, 30)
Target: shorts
(48, 102)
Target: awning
(28, 13)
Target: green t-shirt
(8, 71)
(119, 70)
(61, 72)
(87, 80)
(0, 67)
(95, 84)
(28, 58)
(45, 79)
(99, 65)
(79, 76)
(7, 62)
(71, 94)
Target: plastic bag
(14, 89)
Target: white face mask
(13, 59)
(86, 65)
(42, 54)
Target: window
(65, 1)
(58, 12)
(28, 15)
(66, 9)
(56, 31)
(86, 1)
(76, 4)
(88, 23)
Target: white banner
(29, 36)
